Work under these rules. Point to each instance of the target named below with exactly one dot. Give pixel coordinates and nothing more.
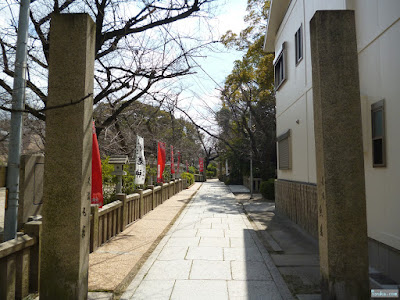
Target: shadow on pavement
(293, 251)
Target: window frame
(375, 107)
(279, 139)
(298, 42)
(280, 60)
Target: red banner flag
(160, 161)
(97, 181)
(172, 160)
(179, 162)
(201, 165)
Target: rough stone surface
(342, 223)
(31, 187)
(67, 171)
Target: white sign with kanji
(140, 171)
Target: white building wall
(294, 97)
(378, 42)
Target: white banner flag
(140, 171)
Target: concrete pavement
(211, 252)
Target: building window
(284, 151)
(280, 67)
(298, 41)
(378, 134)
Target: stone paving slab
(242, 254)
(309, 296)
(303, 275)
(149, 290)
(214, 242)
(221, 262)
(265, 290)
(205, 253)
(200, 290)
(188, 241)
(295, 259)
(205, 269)
(250, 270)
(100, 296)
(166, 270)
(173, 253)
(239, 189)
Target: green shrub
(192, 170)
(267, 189)
(211, 171)
(106, 170)
(189, 177)
(110, 182)
(128, 182)
(151, 173)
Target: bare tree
(141, 49)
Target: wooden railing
(19, 264)
(199, 178)
(256, 184)
(20, 258)
(108, 221)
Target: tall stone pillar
(67, 171)
(342, 223)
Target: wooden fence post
(153, 199)
(34, 229)
(94, 228)
(8, 277)
(22, 272)
(124, 217)
(141, 202)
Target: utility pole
(251, 159)
(18, 105)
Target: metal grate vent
(284, 151)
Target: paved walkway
(211, 252)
